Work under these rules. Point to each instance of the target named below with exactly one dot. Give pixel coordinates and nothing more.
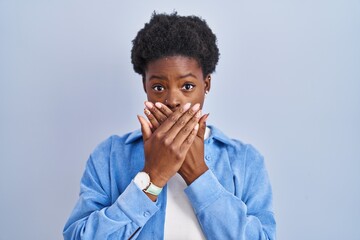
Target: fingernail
(149, 105)
(186, 106)
(158, 105)
(196, 107)
(206, 117)
(196, 127)
(146, 111)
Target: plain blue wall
(288, 82)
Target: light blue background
(288, 82)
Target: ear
(207, 82)
(144, 83)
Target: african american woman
(177, 177)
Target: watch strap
(153, 189)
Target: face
(175, 81)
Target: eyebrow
(156, 77)
(188, 75)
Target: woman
(176, 178)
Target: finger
(152, 119)
(159, 116)
(183, 132)
(164, 109)
(177, 121)
(145, 128)
(173, 118)
(189, 140)
(202, 126)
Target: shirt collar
(134, 136)
(214, 133)
(219, 136)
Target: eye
(188, 86)
(158, 88)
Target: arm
(221, 213)
(95, 216)
(224, 215)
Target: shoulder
(236, 148)
(116, 143)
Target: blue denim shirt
(232, 200)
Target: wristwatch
(142, 180)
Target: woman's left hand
(194, 165)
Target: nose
(173, 100)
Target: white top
(180, 220)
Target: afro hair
(171, 35)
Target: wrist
(144, 183)
(156, 178)
(190, 177)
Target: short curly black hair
(170, 35)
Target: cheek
(149, 93)
(152, 97)
(199, 98)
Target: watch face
(142, 180)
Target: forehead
(174, 65)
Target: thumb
(145, 128)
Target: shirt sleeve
(222, 215)
(96, 217)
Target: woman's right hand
(165, 148)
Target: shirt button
(207, 157)
(146, 214)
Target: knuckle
(157, 137)
(181, 123)
(167, 142)
(194, 120)
(173, 119)
(178, 156)
(173, 149)
(186, 130)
